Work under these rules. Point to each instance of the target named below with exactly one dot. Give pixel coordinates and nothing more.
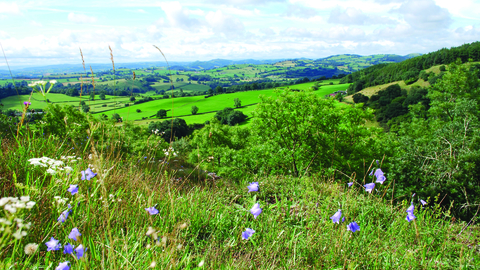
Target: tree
(302, 131)
(138, 110)
(180, 128)
(102, 95)
(85, 108)
(238, 103)
(117, 117)
(132, 99)
(218, 90)
(161, 113)
(92, 95)
(194, 109)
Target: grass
(202, 220)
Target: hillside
(410, 69)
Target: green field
(181, 105)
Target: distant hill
(346, 63)
(409, 70)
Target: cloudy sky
(43, 32)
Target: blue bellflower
(53, 244)
(79, 251)
(253, 187)
(410, 217)
(336, 217)
(423, 202)
(63, 216)
(380, 177)
(353, 227)
(350, 184)
(247, 233)
(68, 249)
(74, 234)
(88, 174)
(63, 266)
(256, 210)
(73, 189)
(369, 187)
(152, 210)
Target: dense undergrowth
(86, 193)
(201, 218)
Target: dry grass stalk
(171, 82)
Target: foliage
(237, 102)
(162, 113)
(194, 109)
(440, 154)
(229, 116)
(171, 129)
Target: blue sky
(45, 32)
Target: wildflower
(380, 177)
(26, 103)
(371, 173)
(247, 233)
(63, 266)
(369, 187)
(25, 198)
(31, 248)
(253, 187)
(68, 249)
(51, 171)
(411, 208)
(201, 263)
(19, 234)
(256, 210)
(153, 264)
(343, 219)
(423, 202)
(63, 216)
(88, 174)
(350, 184)
(336, 217)
(353, 227)
(79, 251)
(73, 189)
(151, 231)
(74, 234)
(53, 244)
(152, 210)
(410, 217)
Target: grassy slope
(369, 91)
(203, 220)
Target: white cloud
(36, 24)
(179, 17)
(81, 18)
(353, 16)
(296, 10)
(226, 24)
(245, 2)
(9, 8)
(425, 15)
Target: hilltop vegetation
(305, 182)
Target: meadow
(181, 105)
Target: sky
(48, 32)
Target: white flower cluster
(41, 83)
(14, 205)
(59, 201)
(158, 132)
(72, 159)
(11, 204)
(52, 165)
(170, 152)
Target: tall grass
(200, 218)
